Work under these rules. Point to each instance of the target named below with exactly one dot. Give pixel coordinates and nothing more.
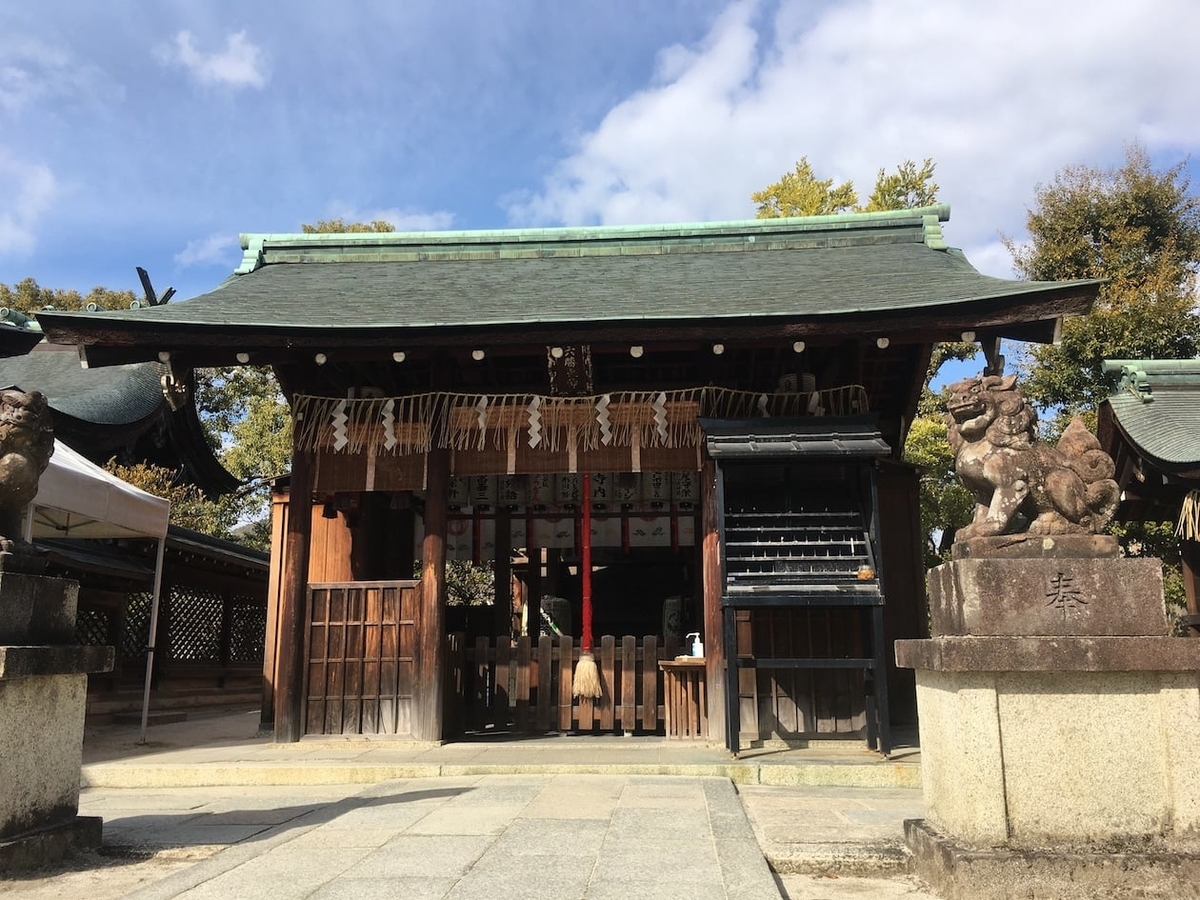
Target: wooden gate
(359, 646)
(525, 687)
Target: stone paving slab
(647, 837)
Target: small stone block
(37, 610)
(40, 848)
(959, 872)
(62, 659)
(1038, 546)
(1047, 596)
(1050, 654)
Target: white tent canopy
(78, 499)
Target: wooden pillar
(714, 587)
(429, 671)
(293, 603)
(279, 508)
(502, 569)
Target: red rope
(585, 563)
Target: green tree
(801, 193)
(341, 226)
(27, 296)
(908, 187)
(1136, 227)
(945, 504)
(189, 507)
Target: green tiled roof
(120, 395)
(1157, 406)
(826, 266)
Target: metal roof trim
(816, 436)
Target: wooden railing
(525, 687)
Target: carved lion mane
(1020, 483)
(26, 443)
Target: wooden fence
(525, 687)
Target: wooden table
(685, 697)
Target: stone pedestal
(1059, 726)
(43, 691)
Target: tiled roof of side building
(1157, 406)
(119, 395)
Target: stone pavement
(206, 810)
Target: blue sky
(152, 133)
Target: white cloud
(34, 72)
(1001, 96)
(242, 64)
(216, 249)
(26, 191)
(400, 219)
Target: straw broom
(587, 677)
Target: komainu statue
(1021, 484)
(26, 443)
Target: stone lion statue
(26, 444)
(1021, 484)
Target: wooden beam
(293, 603)
(714, 586)
(429, 675)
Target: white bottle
(697, 644)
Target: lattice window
(247, 632)
(91, 626)
(135, 636)
(195, 625)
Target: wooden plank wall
(805, 703)
(525, 687)
(360, 645)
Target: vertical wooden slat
(336, 655)
(353, 691)
(500, 694)
(389, 664)
(408, 600)
(747, 686)
(522, 684)
(482, 691)
(566, 667)
(502, 609)
(314, 649)
(628, 683)
(372, 650)
(545, 671)
(823, 683)
(608, 680)
(650, 683)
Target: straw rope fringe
(415, 424)
(1189, 517)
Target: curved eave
(1029, 316)
(1168, 457)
